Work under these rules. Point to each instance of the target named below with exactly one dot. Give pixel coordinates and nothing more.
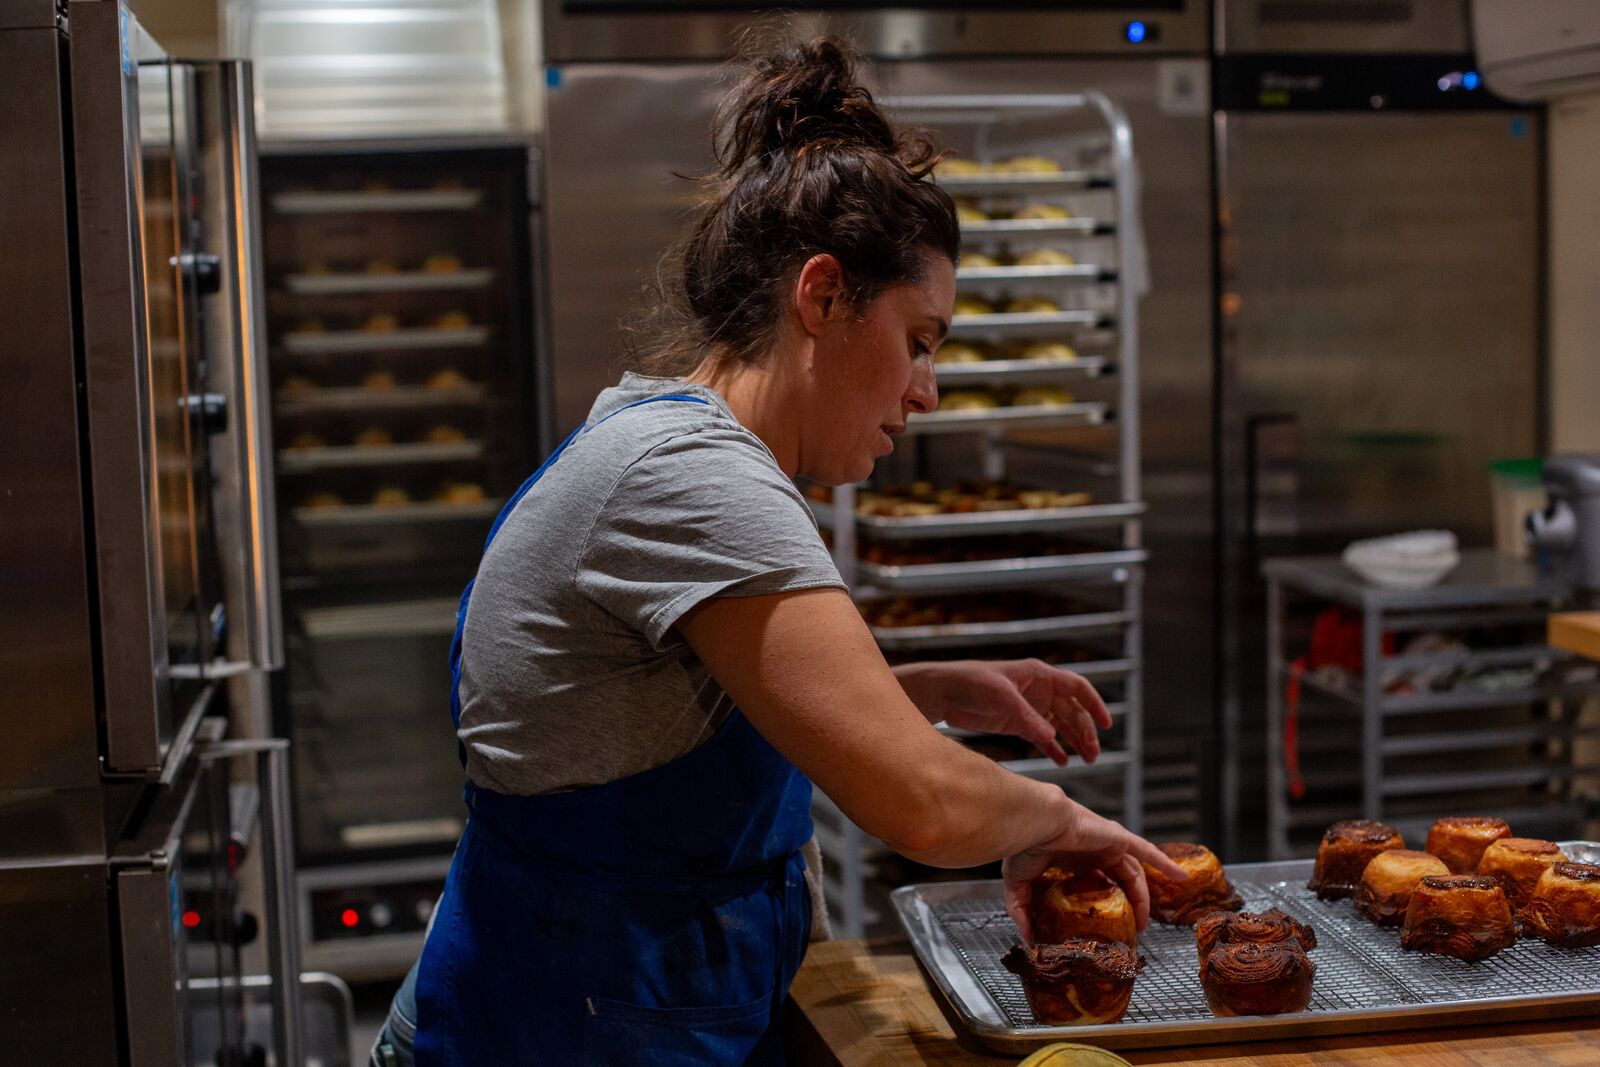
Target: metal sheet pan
(965, 420)
(1364, 981)
(985, 523)
(995, 573)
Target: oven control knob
(380, 915)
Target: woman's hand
(1025, 698)
(1088, 843)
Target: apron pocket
(618, 1033)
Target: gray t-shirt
(572, 674)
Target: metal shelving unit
(1474, 745)
(1099, 579)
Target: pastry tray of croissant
(1364, 981)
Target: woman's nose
(922, 395)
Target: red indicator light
(350, 917)
(191, 919)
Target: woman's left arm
(1025, 698)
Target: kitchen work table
(867, 1004)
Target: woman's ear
(819, 292)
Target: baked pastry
(978, 259)
(957, 167)
(1045, 257)
(1565, 908)
(390, 496)
(1049, 498)
(446, 379)
(380, 322)
(310, 326)
(1460, 841)
(316, 266)
(445, 434)
(1389, 880)
(1050, 351)
(307, 439)
(460, 493)
(381, 266)
(378, 381)
(971, 305)
(1518, 863)
(1260, 928)
(1091, 907)
(1044, 396)
(1462, 915)
(958, 352)
(451, 320)
(967, 400)
(1032, 305)
(323, 498)
(297, 385)
(1206, 889)
(1076, 983)
(1028, 165)
(1346, 849)
(374, 437)
(1248, 978)
(441, 264)
(1043, 211)
(969, 213)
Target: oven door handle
(246, 446)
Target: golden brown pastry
(1028, 165)
(442, 264)
(970, 213)
(1462, 915)
(1389, 880)
(310, 326)
(446, 379)
(967, 400)
(1518, 863)
(958, 352)
(380, 322)
(378, 381)
(1076, 983)
(390, 496)
(381, 266)
(978, 260)
(323, 499)
(1045, 257)
(1046, 396)
(1043, 211)
(1248, 978)
(1050, 352)
(1206, 889)
(957, 167)
(1565, 908)
(1346, 849)
(1069, 906)
(307, 439)
(1460, 841)
(298, 385)
(460, 493)
(1032, 305)
(971, 305)
(1244, 927)
(445, 434)
(451, 320)
(374, 437)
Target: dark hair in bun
(806, 164)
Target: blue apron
(654, 920)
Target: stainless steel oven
(137, 545)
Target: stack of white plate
(1404, 561)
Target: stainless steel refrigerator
(1380, 265)
(137, 557)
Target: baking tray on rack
(975, 523)
(339, 456)
(360, 399)
(985, 184)
(1008, 323)
(965, 420)
(995, 573)
(1364, 981)
(1077, 226)
(1076, 272)
(339, 342)
(345, 515)
(952, 635)
(1011, 371)
(410, 281)
(312, 202)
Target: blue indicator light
(1136, 32)
(1471, 80)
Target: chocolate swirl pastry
(1565, 908)
(1346, 849)
(1268, 927)
(1076, 983)
(1460, 841)
(1519, 863)
(1257, 979)
(1390, 879)
(1461, 915)
(1068, 906)
(1206, 890)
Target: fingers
(1145, 852)
(1129, 874)
(1078, 690)
(1018, 896)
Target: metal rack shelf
(995, 573)
(360, 399)
(1511, 741)
(295, 460)
(339, 284)
(343, 342)
(331, 203)
(356, 515)
(1108, 618)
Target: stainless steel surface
(896, 638)
(899, 34)
(400, 282)
(1364, 26)
(1364, 982)
(1011, 371)
(1036, 520)
(328, 1011)
(994, 573)
(1566, 534)
(1380, 293)
(337, 203)
(1483, 578)
(348, 341)
(1037, 415)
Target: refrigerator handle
(277, 861)
(255, 560)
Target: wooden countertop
(866, 1004)
(1577, 632)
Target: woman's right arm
(804, 669)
